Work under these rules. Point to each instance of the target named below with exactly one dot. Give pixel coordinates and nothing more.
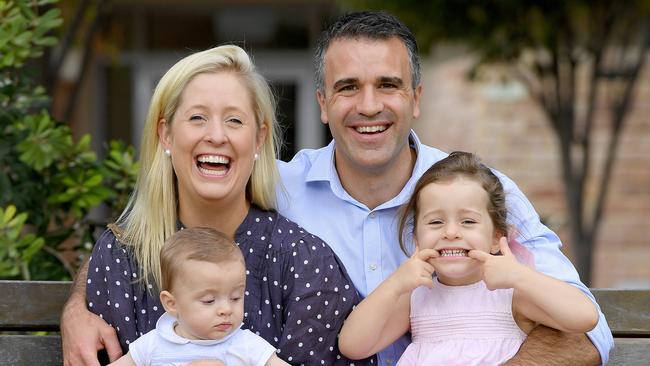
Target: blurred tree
(574, 57)
(48, 183)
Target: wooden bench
(36, 306)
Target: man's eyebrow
(342, 82)
(391, 80)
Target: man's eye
(387, 86)
(345, 88)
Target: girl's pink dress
(461, 325)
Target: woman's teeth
(453, 253)
(215, 165)
(371, 129)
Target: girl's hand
(499, 271)
(415, 271)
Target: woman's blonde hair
(150, 216)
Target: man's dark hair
(374, 25)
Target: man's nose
(370, 102)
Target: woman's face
(213, 138)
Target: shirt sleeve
(110, 287)
(318, 297)
(140, 349)
(548, 259)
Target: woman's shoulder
(279, 232)
(110, 240)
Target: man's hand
(84, 333)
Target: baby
(203, 285)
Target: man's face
(369, 103)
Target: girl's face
(453, 220)
(213, 138)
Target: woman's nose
(216, 133)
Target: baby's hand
(499, 271)
(416, 271)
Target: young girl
(481, 305)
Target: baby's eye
(207, 301)
(235, 299)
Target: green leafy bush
(48, 182)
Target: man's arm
(82, 332)
(550, 347)
(548, 259)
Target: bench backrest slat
(32, 305)
(627, 311)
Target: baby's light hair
(200, 244)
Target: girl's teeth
(453, 253)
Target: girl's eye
(435, 222)
(468, 222)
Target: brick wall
(509, 132)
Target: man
(349, 193)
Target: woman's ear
(164, 134)
(168, 302)
(261, 137)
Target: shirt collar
(323, 169)
(165, 327)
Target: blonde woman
(208, 160)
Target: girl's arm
(538, 297)
(383, 316)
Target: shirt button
(372, 215)
(372, 267)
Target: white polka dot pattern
(297, 297)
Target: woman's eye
(235, 120)
(196, 117)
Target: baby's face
(209, 298)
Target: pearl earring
(257, 156)
(168, 152)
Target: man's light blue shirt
(367, 242)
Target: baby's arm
(383, 316)
(125, 360)
(274, 360)
(538, 297)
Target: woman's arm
(538, 297)
(383, 316)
